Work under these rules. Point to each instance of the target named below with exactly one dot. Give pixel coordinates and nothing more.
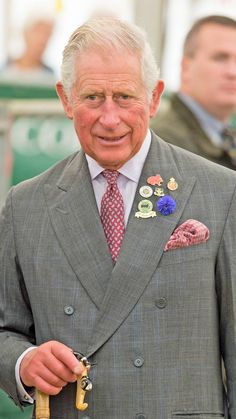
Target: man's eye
(122, 98)
(220, 57)
(92, 97)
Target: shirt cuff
(23, 394)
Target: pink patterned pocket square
(187, 234)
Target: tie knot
(111, 176)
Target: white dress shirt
(127, 182)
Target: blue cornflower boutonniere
(166, 205)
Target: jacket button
(161, 302)
(138, 362)
(69, 310)
(140, 416)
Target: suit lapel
(142, 247)
(76, 221)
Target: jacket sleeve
(226, 294)
(16, 321)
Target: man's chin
(111, 163)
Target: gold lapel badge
(172, 185)
(159, 192)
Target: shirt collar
(211, 125)
(131, 169)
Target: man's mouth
(231, 87)
(114, 139)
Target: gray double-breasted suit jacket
(155, 325)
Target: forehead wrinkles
(105, 81)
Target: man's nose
(109, 117)
(231, 68)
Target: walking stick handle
(83, 384)
(80, 394)
(42, 405)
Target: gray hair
(108, 32)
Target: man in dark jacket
(198, 116)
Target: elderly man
(123, 252)
(198, 118)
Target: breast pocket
(186, 254)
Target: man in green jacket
(198, 116)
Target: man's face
(37, 37)
(109, 106)
(210, 75)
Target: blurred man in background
(30, 66)
(199, 115)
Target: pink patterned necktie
(112, 214)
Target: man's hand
(50, 367)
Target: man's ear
(64, 100)
(185, 68)
(156, 96)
